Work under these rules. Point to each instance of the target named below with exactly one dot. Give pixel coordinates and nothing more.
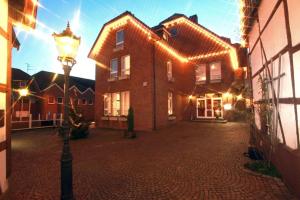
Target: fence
(28, 122)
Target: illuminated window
(107, 104)
(215, 72)
(51, 100)
(170, 103)
(200, 73)
(169, 70)
(120, 37)
(116, 105)
(125, 66)
(59, 100)
(125, 102)
(114, 68)
(173, 32)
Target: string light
(129, 19)
(242, 5)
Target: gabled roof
(18, 74)
(44, 79)
(127, 17)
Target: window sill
(119, 47)
(112, 79)
(124, 77)
(200, 82)
(171, 79)
(215, 81)
(171, 117)
(114, 118)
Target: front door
(209, 107)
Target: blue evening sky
(37, 51)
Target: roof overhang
(127, 17)
(23, 12)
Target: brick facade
(148, 83)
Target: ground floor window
(210, 106)
(116, 104)
(170, 103)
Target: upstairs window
(59, 100)
(125, 102)
(125, 66)
(90, 102)
(107, 104)
(114, 68)
(83, 101)
(22, 84)
(51, 100)
(215, 72)
(170, 103)
(200, 74)
(173, 32)
(119, 37)
(169, 70)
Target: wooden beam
(3, 33)
(289, 39)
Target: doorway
(209, 107)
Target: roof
(18, 74)
(45, 79)
(172, 17)
(175, 51)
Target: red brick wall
(141, 54)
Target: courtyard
(187, 161)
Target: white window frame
(200, 79)
(116, 106)
(213, 77)
(121, 42)
(49, 100)
(62, 100)
(125, 70)
(124, 107)
(107, 110)
(113, 74)
(170, 103)
(169, 70)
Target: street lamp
(67, 45)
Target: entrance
(209, 107)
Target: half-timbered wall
(274, 42)
(274, 54)
(4, 50)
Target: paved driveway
(186, 161)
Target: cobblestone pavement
(186, 161)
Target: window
(119, 37)
(22, 84)
(83, 101)
(169, 70)
(215, 72)
(90, 102)
(200, 73)
(51, 100)
(107, 104)
(125, 66)
(116, 106)
(170, 103)
(59, 100)
(173, 32)
(114, 68)
(125, 102)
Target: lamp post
(67, 45)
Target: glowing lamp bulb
(23, 92)
(190, 97)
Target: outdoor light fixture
(239, 97)
(23, 92)
(227, 106)
(67, 46)
(190, 97)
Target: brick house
(175, 71)
(11, 13)
(45, 101)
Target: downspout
(154, 86)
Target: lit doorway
(209, 107)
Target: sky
(37, 51)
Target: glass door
(201, 108)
